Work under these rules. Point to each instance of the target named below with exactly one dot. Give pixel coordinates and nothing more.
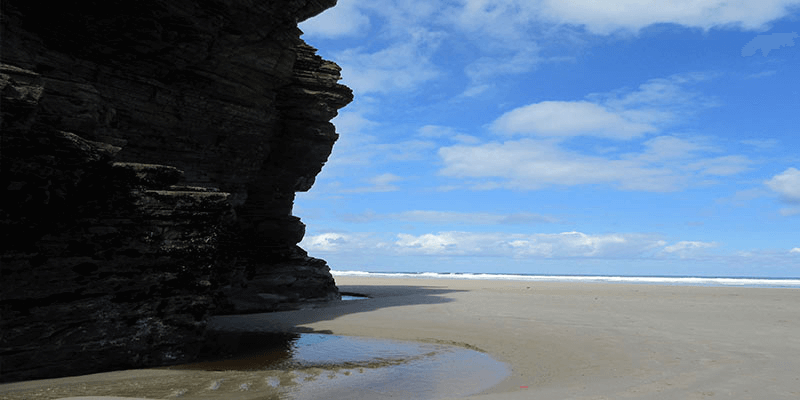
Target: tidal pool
(349, 297)
(249, 366)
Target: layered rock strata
(150, 155)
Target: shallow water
(347, 297)
(262, 366)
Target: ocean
(651, 280)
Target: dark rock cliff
(151, 151)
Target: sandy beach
(586, 341)
(563, 340)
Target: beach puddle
(353, 296)
(247, 365)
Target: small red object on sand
(523, 387)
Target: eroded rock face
(151, 151)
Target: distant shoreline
(723, 281)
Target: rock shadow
(379, 296)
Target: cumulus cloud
(795, 250)
(563, 245)
(658, 163)
(786, 185)
(565, 119)
(543, 245)
(622, 114)
(446, 243)
(326, 242)
(343, 243)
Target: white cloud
(345, 19)
(510, 18)
(506, 34)
(503, 21)
(342, 243)
(379, 183)
(622, 114)
(541, 245)
(572, 247)
(666, 164)
(473, 218)
(660, 163)
(349, 121)
(663, 148)
(358, 151)
(325, 242)
(401, 67)
(564, 245)
(518, 61)
(402, 16)
(566, 119)
(671, 96)
(453, 217)
(385, 179)
(530, 164)
(476, 90)
(608, 16)
(786, 185)
(720, 166)
(431, 243)
(686, 249)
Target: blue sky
(562, 137)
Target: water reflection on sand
(245, 366)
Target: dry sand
(579, 340)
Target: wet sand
(566, 340)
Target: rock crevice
(150, 156)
